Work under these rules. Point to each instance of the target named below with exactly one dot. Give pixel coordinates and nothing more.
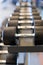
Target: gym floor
(33, 58)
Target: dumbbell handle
(25, 14)
(2, 61)
(3, 51)
(25, 21)
(25, 35)
(25, 27)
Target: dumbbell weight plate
(34, 10)
(37, 17)
(14, 18)
(38, 22)
(39, 35)
(13, 23)
(15, 14)
(34, 13)
(33, 7)
(8, 36)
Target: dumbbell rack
(25, 25)
(25, 31)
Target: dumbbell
(10, 35)
(22, 26)
(38, 35)
(27, 10)
(29, 13)
(9, 40)
(21, 19)
(20, 22)
(25, 14)
(30, 17)
(22, 16)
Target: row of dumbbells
(22, 19)
(15, 20)
(38, 29)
